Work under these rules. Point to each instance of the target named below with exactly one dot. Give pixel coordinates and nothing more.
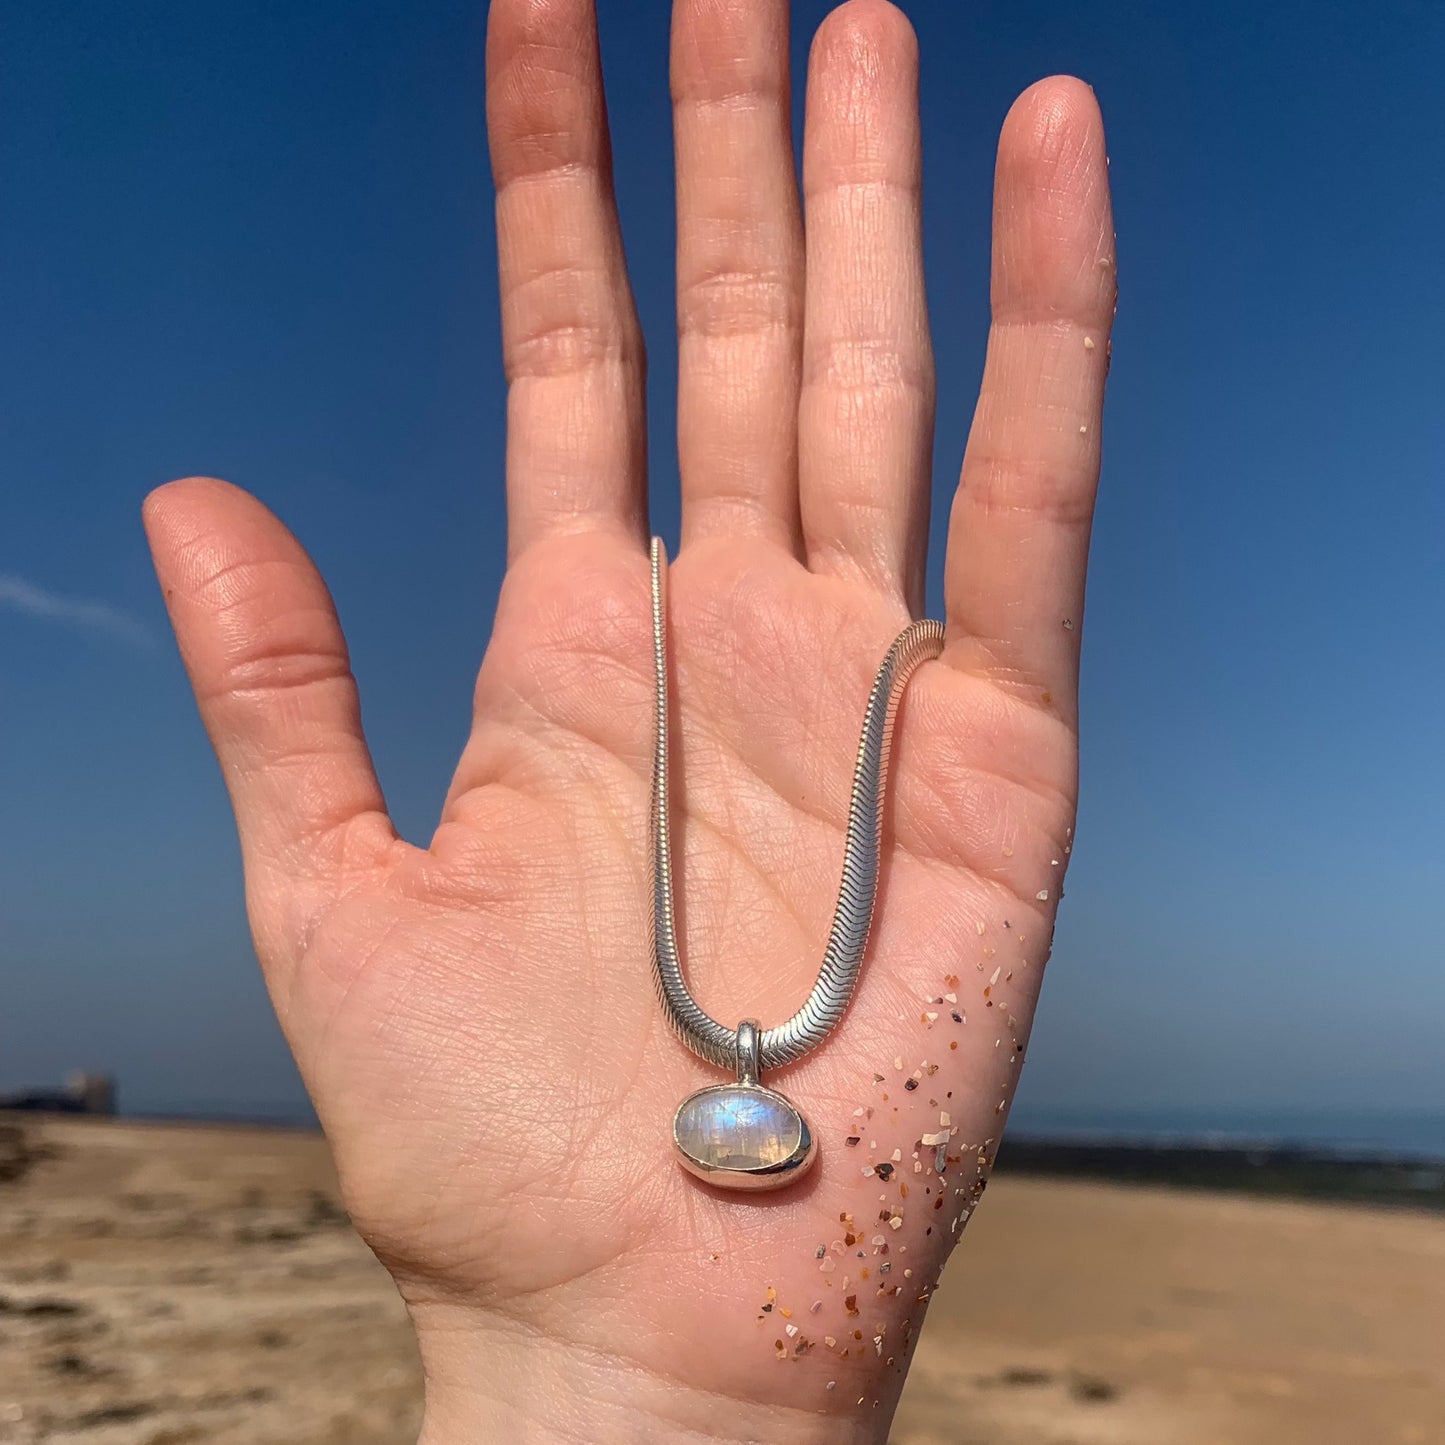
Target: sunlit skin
(475, 1018)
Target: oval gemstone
(741, 1127)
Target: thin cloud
(18, 595)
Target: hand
(475, 1020)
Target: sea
(1355, 1132)
(1411, 1134)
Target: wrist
(489, 1378)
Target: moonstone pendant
(743, 1136)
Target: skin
(475, 1019)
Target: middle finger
(739, 270)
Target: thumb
(269, 667)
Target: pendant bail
(749, 1048)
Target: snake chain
(848, 937)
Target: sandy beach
(163, 1284)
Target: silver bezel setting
(771, 1176)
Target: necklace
(743, 1135)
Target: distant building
(83, 1094)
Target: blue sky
(254, 240)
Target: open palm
(475, 1020)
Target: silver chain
(848, 937)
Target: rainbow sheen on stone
(742, 1136)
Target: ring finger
(866, 417)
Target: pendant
(742, 1135)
